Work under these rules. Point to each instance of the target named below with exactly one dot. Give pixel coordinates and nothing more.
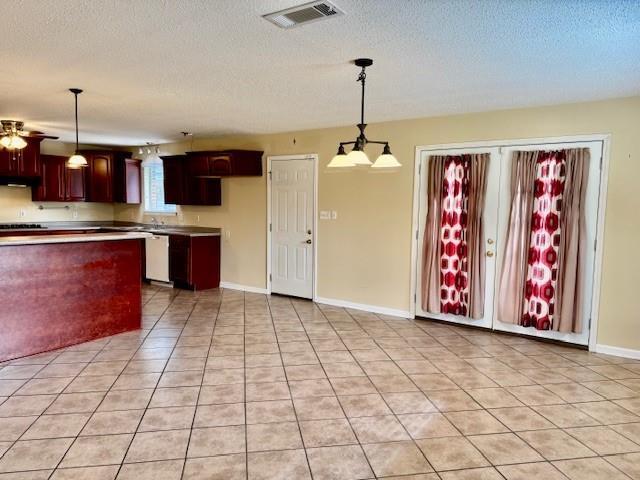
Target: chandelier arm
(377, 142)
(347, 143)
(361, 78)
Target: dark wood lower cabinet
(194, 261)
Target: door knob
(490, 241)
(489, 254)
(309, 231)
(308, 241)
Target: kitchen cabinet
(225, 163)
(59, 183)
(172, 166)
(183, 187)
(23, 163)
(194, 261)
(99, 173)
(126, 180)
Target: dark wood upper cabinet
(226, 163)
(126, 180)
(183, 187)
(23, 163)
(59, 183)
(99, 176)
(173, 169)
(75, 184)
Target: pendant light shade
(357, 156)
(76, 160)
(341, 159)
(386, 160)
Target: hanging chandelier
(76, 160)
(357, 155)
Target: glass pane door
(542, 263)
(451, 298)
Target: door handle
(309, 231)
(489, 253)
(308, 241)
(490, 241)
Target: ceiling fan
(13, 133)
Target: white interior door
(292, 207)
(490, 232)
(591, 212)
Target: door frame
(602, 210)
(314, 234)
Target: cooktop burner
(19, 226)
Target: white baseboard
(618, 351)
(362, 306)
(244, 288)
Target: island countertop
(36, 239)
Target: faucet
(156, 224)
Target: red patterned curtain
(542, 270)
(454, 277)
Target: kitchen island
(59, 290)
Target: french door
(490, 232)
(496, 219)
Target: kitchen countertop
(71, 238)
(187, 230)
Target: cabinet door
(75, 184)
(8, 162)
(179, 259)
(220, 165)
(52, 185)
(100, 178)
(173, 180)
(132, 181)
(29, 159)
(197, 165)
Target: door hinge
(270, 174)
(270, 278)
(595, 244)
(416, 234)
(415, 297)
(419, 168)
(270, 227)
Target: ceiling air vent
(307, 13)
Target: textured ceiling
(151, 68)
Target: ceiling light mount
(357, 156)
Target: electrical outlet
(75, 214)
(334, 215)
(197, 218)
(227, 234)
(22, 213)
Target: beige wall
(364, 255)
(14, 200)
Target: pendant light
(76, 160)
(357, 155)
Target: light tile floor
(227, 385)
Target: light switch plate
(325, 215)
(334, 215)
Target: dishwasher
(157, 258)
